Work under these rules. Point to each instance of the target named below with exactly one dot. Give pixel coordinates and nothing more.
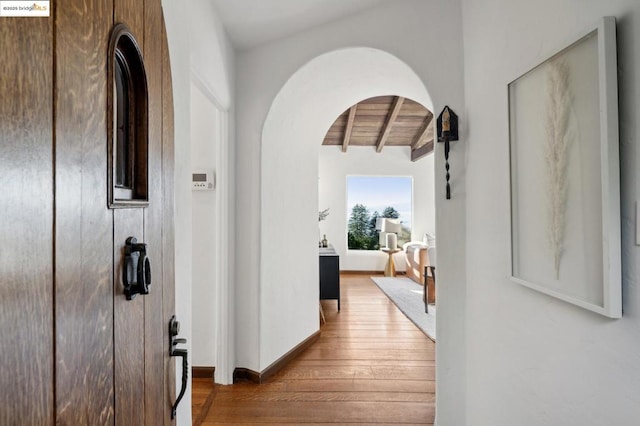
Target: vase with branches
(322, 215)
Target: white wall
(421, 34)
(211, 53)
(532, 359)
(213, 314)
(204, 141)
(212, 77)
(335, 166)
(197, 45)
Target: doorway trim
(223, 306)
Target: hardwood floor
(371, 365)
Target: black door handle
(174, 329)
(136, 274)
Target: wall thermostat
(203, 180)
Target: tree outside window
(372, 197)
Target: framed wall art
(565, 178)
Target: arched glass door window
(128, 135)
(124, 166)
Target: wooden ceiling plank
(426, 129)
(347, 131)
(395, 109)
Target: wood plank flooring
(371, 365)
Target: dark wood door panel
(26, 221)
(131, 13)
(155, 408)
(128, 323)
(168, 241)
(84, 225)
(129, 315)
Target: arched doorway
(297, 121)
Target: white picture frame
(564, 174)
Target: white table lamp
(391, 227)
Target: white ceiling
(250, 23)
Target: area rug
(406, 294)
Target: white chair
(415, 259)
(431, 255)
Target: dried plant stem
(556, 156)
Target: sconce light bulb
(446, 120)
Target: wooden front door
(73, 349)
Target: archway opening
(297, 121)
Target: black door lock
(136, 274)
(174, 329)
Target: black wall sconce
(447, 128)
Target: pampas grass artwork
(556, 146)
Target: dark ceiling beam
(347, 130)
(425, 149)
(425, 129)
(391, 118)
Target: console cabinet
(329, 275)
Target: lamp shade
(391, 226)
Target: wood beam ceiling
(391, 118)
(426, 129)
(425, 149)
(383, 121)
(349, 127)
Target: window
(123, 149)
(128, 130)
(371, 198)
